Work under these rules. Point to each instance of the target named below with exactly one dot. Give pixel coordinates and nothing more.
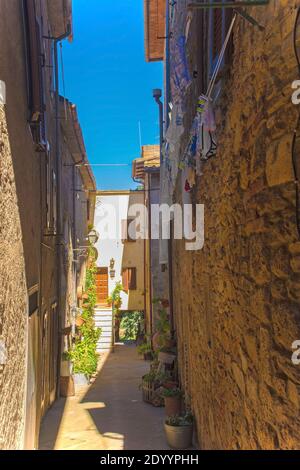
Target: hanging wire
(294, 146)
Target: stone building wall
(238, 316)
(13, 303)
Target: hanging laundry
(181, 79)
(201, 104)
(191, 177)
(187, 187)
(188, 24)
(208, 118)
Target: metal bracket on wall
(205, 5)
(224, 4)
(249, 18)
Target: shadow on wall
(51, 425)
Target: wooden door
(102, 286)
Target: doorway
(102, 286)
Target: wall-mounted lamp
(112, 271)
(93, 237)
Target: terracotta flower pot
(79, 321)
(169, 384)
(148, 356)
(172, 406)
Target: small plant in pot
(172, 397)
(146, 350)
(179, 431)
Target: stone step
(105, 328)
(106, 334)
(103, 347)
(100, 318)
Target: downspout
(157, 93)
(167, 68)
(167, 122)
(150, 253)
(58, 199)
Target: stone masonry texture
(237, 317)
(13, 303)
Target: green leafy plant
(144, 348)
(172, 392)
(162, 325)
(176, 420)
(84, 355)
(130, 322)
(115, 300)
(150, 377)
(163, 376)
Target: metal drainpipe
(58, 201)
(157, 93)
(150, 253)
(167, 122)
(167, 67)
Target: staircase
(103, 320)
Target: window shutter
(132, 278)
(217, 31)
(54, 201)
(125, 280)
(229, 49)
(35, 62)
(48, 191)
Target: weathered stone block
(279, 167)
(295, 264)
(293, 393)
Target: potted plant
(172, 397)
(146, 350)
(115, 301)
(179, 431)
(79, 321)
(147, 386)
(66, 368)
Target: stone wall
(13, 303)
(238, 316)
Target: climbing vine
(84, 355)
(116, 301)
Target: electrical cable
(294, 156)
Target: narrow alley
(110, 413)
(149, 226)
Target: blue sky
(107, 77)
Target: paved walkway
(109, 414)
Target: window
(33, 300)
(35, 56)
(50, 190)
(219, 21)
(125, 230)
(129, 279)
(53, 337)
(54, 200)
